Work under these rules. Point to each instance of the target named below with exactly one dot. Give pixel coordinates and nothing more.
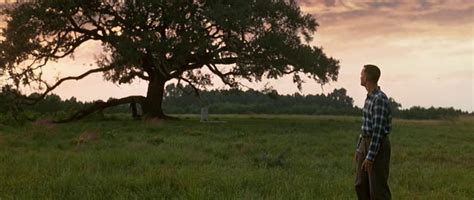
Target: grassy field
(241, 157)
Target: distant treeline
(179, 99)
(182, 100)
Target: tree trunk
(154, 99)
(135, 115)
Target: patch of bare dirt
(86, 137)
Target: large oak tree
(163, 40)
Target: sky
(424, 48)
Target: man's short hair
(372, 72)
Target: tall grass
(245, 157)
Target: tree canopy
(162, 40)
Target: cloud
(450, 15)
(384, 4)
(372, 21)
(425, 4)
(330, 3)
(310, 3)
(432, 11)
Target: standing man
(373, 149)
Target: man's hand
(367, 165)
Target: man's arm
(380, 109)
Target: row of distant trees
(181, 99)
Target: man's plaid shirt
(376, 121)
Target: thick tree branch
(100, 105)
(179, 72)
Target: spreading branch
(190, 83)
(60, 81)
(100, 105)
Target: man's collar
(374, 92)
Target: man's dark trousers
(373, 185)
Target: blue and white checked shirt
(376, 120)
